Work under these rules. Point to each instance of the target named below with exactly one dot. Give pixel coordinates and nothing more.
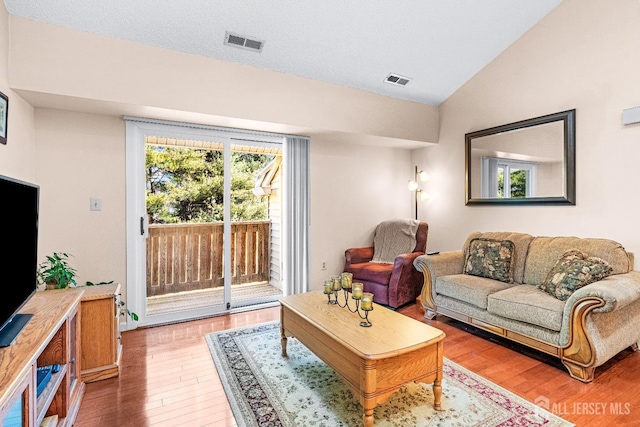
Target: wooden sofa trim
(578, 356)
(426, 296)
(505, 333)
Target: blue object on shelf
(14, 417)
(44, 375)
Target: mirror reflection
(530, 162)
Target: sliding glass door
(256, 221)
(210, 218)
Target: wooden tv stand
(52, 336)
(100, 338)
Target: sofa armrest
(609, 295)
(442, 264)
(358, 255)
(432, 267)
(617, 291)
(405, 282)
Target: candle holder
(336, 283)
(346, 279)
(345, 285)
(363, 300)
(356, 291)
(367, 306)
(346, 302)
(366, 323)
(328, 291)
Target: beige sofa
(596, 321)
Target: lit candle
(367, 301)
(356, 291)
(328, 286)
(336, 283)
(346, 280)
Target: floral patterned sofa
(575, 298)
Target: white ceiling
(439, 44)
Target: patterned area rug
(265, 389)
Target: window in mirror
(504, 179)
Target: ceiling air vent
(243, 42)
(396, 79)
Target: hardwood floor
(168, 377)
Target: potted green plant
(55, 272)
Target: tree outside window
(186, 185)
(518, 180)
(507, 178)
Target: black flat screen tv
(18, 254)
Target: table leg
(437, 383)
(283, 342)
(437, 393)
(367, 418)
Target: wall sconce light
(414, 185)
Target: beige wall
(80, 156)
(17, 157)
(585, 55)
(353, 188)
(88, 66)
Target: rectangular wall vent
(396, 79)
(236, 40)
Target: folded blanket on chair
(392, 238)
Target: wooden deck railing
(184, 257)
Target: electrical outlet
(324, 265)
(95, 204)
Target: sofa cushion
(490, 258)
(521, 242)
(372, 272)
(470, 289)
(528, 329)
(544, 252)
(572, 271)
(529, 304)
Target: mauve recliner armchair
(394, 284)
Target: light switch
(95, 204)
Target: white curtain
(296, 215)
(489, 181)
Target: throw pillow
(490, 258)
(572, 271)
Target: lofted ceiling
(437, 44)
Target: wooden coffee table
(374, 361)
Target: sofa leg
(634, 346)
(430, 314)
(579, 372)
